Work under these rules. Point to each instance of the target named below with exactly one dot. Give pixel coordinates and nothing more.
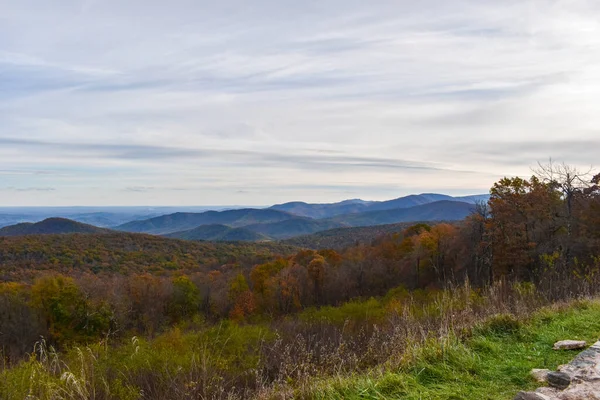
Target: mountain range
(166, 224)
(359, 206)
(103, 217)
(282, 221)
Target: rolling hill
(50, 226)
(218, 233)
(444, 210)
(341, 238)
(22, 258)
(293, 227)
(177, 222)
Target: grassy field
(493, 362)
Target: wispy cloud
(29, 189)
(261, 102)
(139, 189)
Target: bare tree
(567, 179)
(571, 182)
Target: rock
(577, 380)
(583, 391)
(548, 392)
(530, 396)
(539, 374)
(569, 345)
(559, 380)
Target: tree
(573, 185)
(261, 277)
(185, 300)
(21, 325)
(241, 298)
(522, 218)
(569, 181)
(316, 271)
(70, 316)
(475, 243)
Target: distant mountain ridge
(265, 224)
(328, 210)
(278, 222)
(444, 210)
(171, 223)
(98, 216)
(50, 226)
(288, 220)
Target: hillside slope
(50, 226)
(341, 238)
(293, 227)
(22, 258)
(218, 233)
(438, 211)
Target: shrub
(501, 325)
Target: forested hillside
(50, 226)
(341, 238)
(26, 257)
(444, 210)
(218, 233)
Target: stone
(530, 396)
(577, 380)
(559, 380)
(585, 366)
(547, 392)
(583, 391)
(569, 345)
(539, 374)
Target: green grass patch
(493, 363)
(212, 353)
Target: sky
(148, 102)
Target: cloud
(274, 101)
(139, 188)
(249, 158)
(29, 189)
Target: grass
(492, 362)
(175, 363)
(457, 344)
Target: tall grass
(287, 358)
